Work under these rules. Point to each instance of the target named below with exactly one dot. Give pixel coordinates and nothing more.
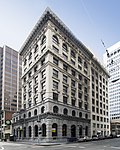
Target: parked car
(72, 139)
(95, 137)
(84, 139)
(118, 135)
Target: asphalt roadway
(108, 144)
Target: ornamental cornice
(49, 15)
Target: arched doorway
(36, 131)
(24, 132)
(54, 129)
(29, 131)
(80, 131)
(44, 129)
(73, 131)
(86, 130)
(64, 130)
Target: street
(109, 144)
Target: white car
(118, 135)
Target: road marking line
(70, 146)
(81, 147)
(115, 147)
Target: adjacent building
(10, 87)
(100, 123)
(112, 62)
(57, 82)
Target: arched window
(65, 111)
(44, 129)
(29, 131)
(29, 114)
(36, 131)
(64, 130)
(80, 114)
(24, 132)
(55, 109)
(54, 129)
(64, 46)
(73, 113)
(86, 116)
(43, 40)
(55, 39)
(42, 109)
(35, 112)
(80, 131)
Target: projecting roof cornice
(49, 15)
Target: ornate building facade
(56, 84)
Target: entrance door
(73, 131)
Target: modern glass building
(10, 86)
(112, 63)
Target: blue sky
(89, 20)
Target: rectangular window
(30, 84)
(55, 49)
(72, 83)
(93, 117)
(36, 89)
(43, 96)
(64, 78)
(73, 92)
(79, 86)
(79, 60)
(72, 62)
(55, 73)
(43, 74)
(80, 104)
(73, 54)
(65, 89)
(36, 80)
(35, 68)
(55, 85)
(42, 61)
(65, 67)
(80, 95)
(30, 74)
(55, 96)
(73, 72)
(30, 55)
(30, 94)
(55, 61)
(43, 85)
(65, 56)
(73, 102)
(64, 99)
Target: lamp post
(1, 112)
(39, 128)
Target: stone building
(56, 73)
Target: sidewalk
(36, 143)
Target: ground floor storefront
(50, 128)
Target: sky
(89, 20)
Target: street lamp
(1, 113)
